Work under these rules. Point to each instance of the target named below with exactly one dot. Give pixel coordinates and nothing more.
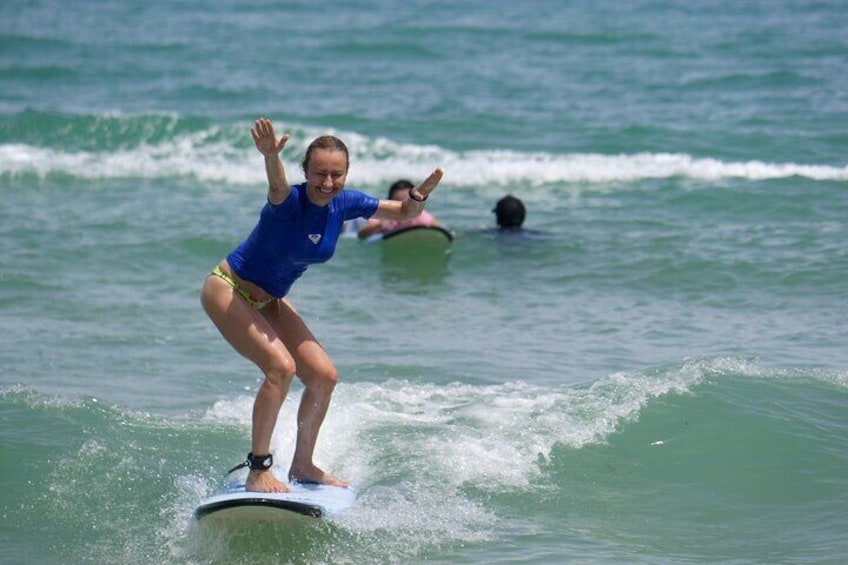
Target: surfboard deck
(305, 500)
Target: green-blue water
(661, 376)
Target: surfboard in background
(417, 244)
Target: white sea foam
(486, 436)
(493, 436)
(204, 156)
(413, 449)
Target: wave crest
(164, 146)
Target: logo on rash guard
(315, 238)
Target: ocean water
(659, 374)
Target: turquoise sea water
(660, 376)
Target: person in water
(509, 213)
(245, 294)
(398, 191)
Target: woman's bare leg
(253, 337)
(319, 377)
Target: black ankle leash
(255, 463)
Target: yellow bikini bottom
(257, 304)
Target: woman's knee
(330, 377)
(280, 370)
(323, 378)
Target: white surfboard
(305, 499)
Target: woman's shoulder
(357, 202)
(356, 195)
(287, 206)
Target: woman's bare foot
(264, 481)
(313, 474)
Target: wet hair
(401, 184)
(510, 212)
(328, 142)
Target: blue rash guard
(295, 234)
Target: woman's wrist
(417, 198)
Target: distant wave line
(375, 162)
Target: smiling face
(326, 172)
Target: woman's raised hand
(430, 183)
(265, 138)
